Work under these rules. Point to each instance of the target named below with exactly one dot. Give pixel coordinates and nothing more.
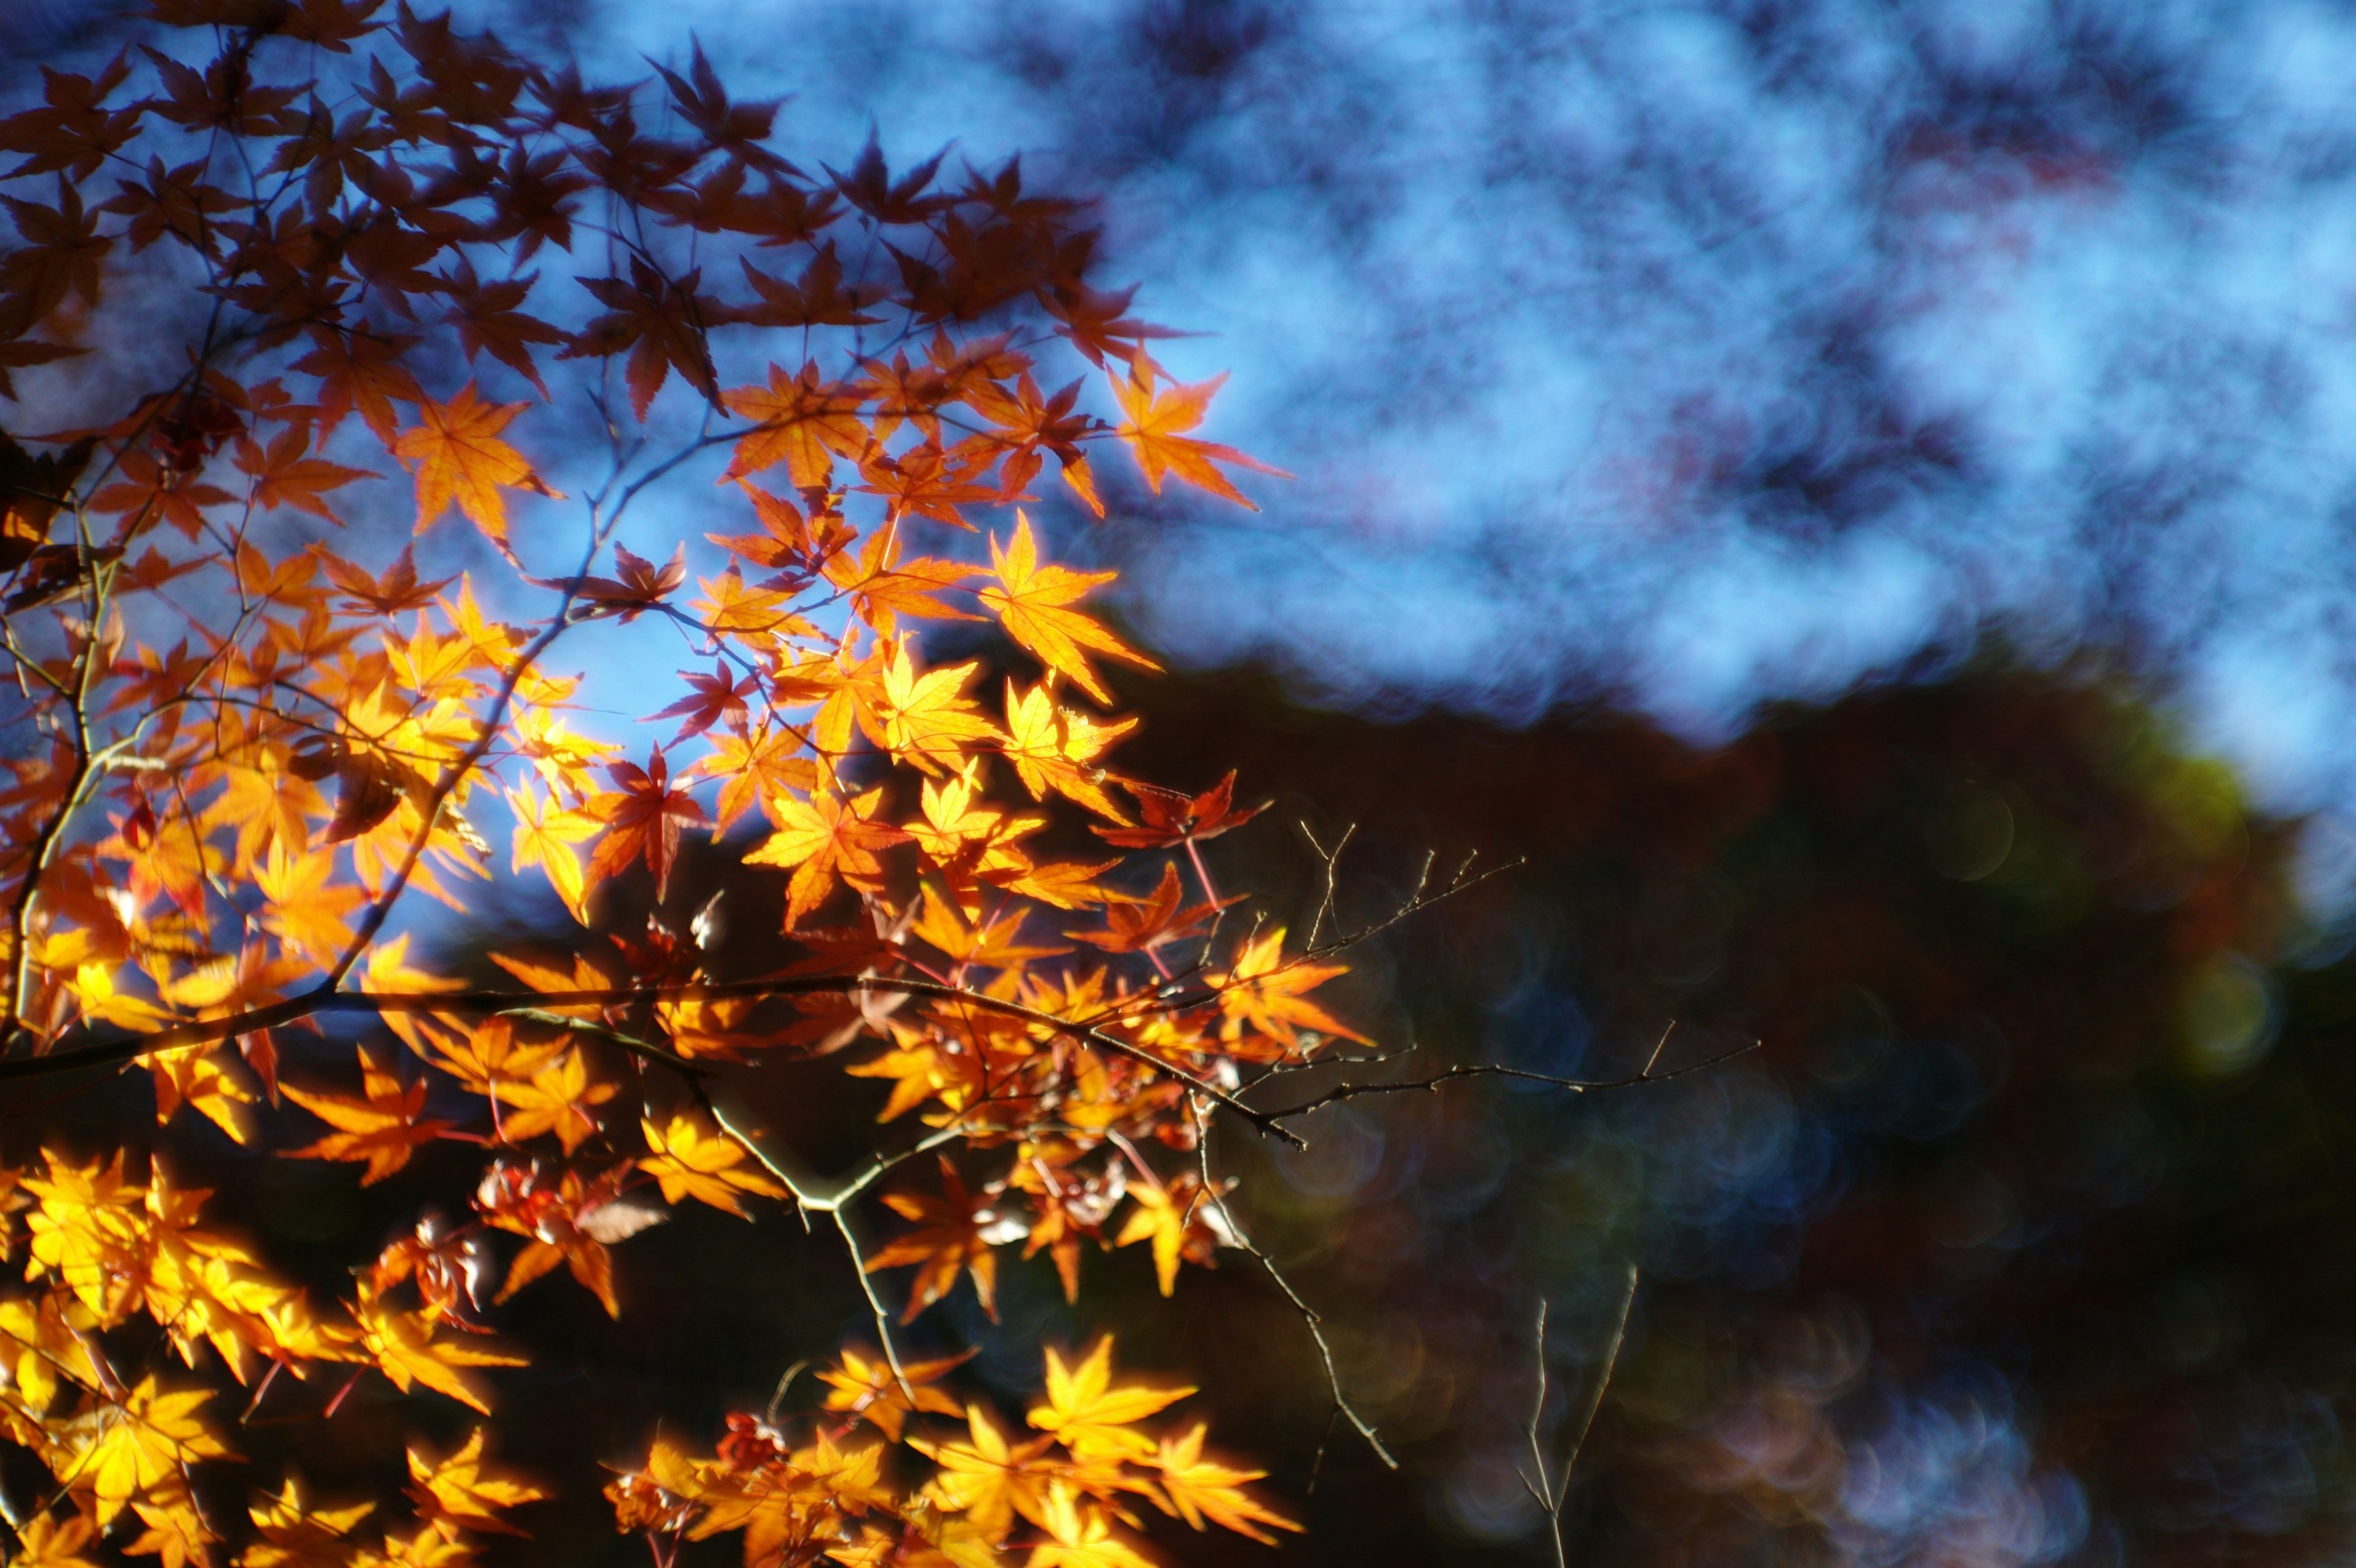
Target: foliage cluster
(244, 743)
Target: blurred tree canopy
(2021, 1237)
(2018, 1239)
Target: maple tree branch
(1342, 1092)
(1309, 1318)
(324, 999)
(835, 1203)
(100, 580)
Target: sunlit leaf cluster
(349, 272)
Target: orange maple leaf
(461, 458)
(821, 838)
(803, 419)
(1153, 427)
(382, 1126)
(956, 1232)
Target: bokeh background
(1857, 497)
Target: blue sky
(1688, 356)
(1696, 356)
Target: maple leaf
(1181, 1221)
(870, 187)
(1161, 917)
(397, 592)
(1090, 1414)
(803, 419)
(404, 1347)
(1084, 1536)
(789, 540)
(70, 132)
(640, 584)
(822, 838)
(568, 1221)
(294, 1536)
(1263, 994)
(176, 1533)
(555, 1099)
(43, 1541)
(1093, 322)
(1151, 429)
(924, 717)
(460, 458)
(448, 1265)
(818, 300)
(1057, 748)
(987, 1478)
(1027, 422)
(382, 1125)
(487, 318)
(712, 698)
(545, 837)
(995, 943)
(956, 1234)
(1202, 1490)
(731, 129)
(1030, 602)
(756, 768)
(664, 318)
(459, 1493)
(304, 910)
(865, 1386)
(644, 819)
(61, 254)
(360, 368)
(284, 475)
(205, 1081)
(142, 1443)
(1173, 819)
(687, 1161)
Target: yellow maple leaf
(545, 833)
(176, 1533)
(821, 838)
(141, 1444)
(94, 989)
(1090, 1414)
(987, 1478)
(1032, 603)
(294, 1536)
(1180, 1222)
(304, 910)
(43, 1541)
(555, 1099)
(405, 1351)
(866, 1387)
(1200, 1490)
(1084, 1536)
(689, 1162)
(457, 1492)
(208, 1081)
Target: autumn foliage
(294, 280)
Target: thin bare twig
(1309, 1315)
(1549, 1493)
(1342, 1092)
